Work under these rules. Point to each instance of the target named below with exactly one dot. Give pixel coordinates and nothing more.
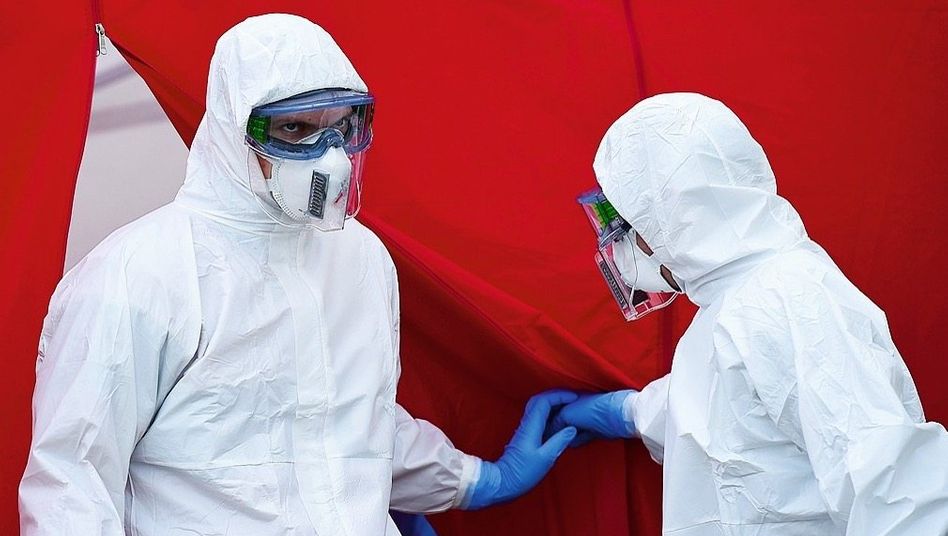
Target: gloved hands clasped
(527, 458)
(540, 440)
(597, 416)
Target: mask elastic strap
(630, 236)
(637, 250)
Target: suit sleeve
(428, 473)
(95, 394)
(647, 410)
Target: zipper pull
(100, 30)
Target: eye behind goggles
(305, 126)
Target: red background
(488, 118)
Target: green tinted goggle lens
(258, 128)
(605, 211)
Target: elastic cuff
(628, 414)
(470, 472)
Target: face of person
(292, 128)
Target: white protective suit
(788, 409)
(206, 371)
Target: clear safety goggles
(610, 229)
(305, 126)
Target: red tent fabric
(489, 114)
(49, 67)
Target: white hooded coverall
(207, 371)
(788, 409)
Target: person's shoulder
(148, 250)
(776, 290)
(149, 237)
(785, 275)
(138, 279)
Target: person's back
(767, 391)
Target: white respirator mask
(313, 191)
(637, 269)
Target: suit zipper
(99, 29)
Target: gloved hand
(596, 416)
(526, 459)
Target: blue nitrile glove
(598, 416)
(527, 459)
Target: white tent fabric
(129, 136)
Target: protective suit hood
(685, 172)
(261, 60)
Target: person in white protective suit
(788, 409)
(228, 363)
